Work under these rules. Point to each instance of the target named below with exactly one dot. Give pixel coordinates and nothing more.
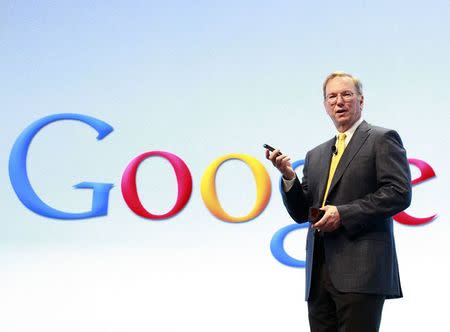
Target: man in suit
(359, 179)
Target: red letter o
(129, 189)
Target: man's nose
(339, 99)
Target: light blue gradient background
(203, 79)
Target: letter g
(21, 184)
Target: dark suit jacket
(371, 184)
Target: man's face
(342, 102)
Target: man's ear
(325, 105)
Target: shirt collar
(349, 133)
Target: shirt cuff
(287, 184)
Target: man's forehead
(340, 83)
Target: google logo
(100, 191)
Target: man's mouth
(340, 111)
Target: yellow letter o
(209, 194)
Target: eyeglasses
(346, 96)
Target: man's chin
(342, 122)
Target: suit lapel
(357, 141)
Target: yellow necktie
(334, 163)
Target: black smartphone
(268, 147)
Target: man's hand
(330, 220)
(282, 163)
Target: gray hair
(356, 81)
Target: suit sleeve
(394, 187)
(297, 199)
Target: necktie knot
(341, 137)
